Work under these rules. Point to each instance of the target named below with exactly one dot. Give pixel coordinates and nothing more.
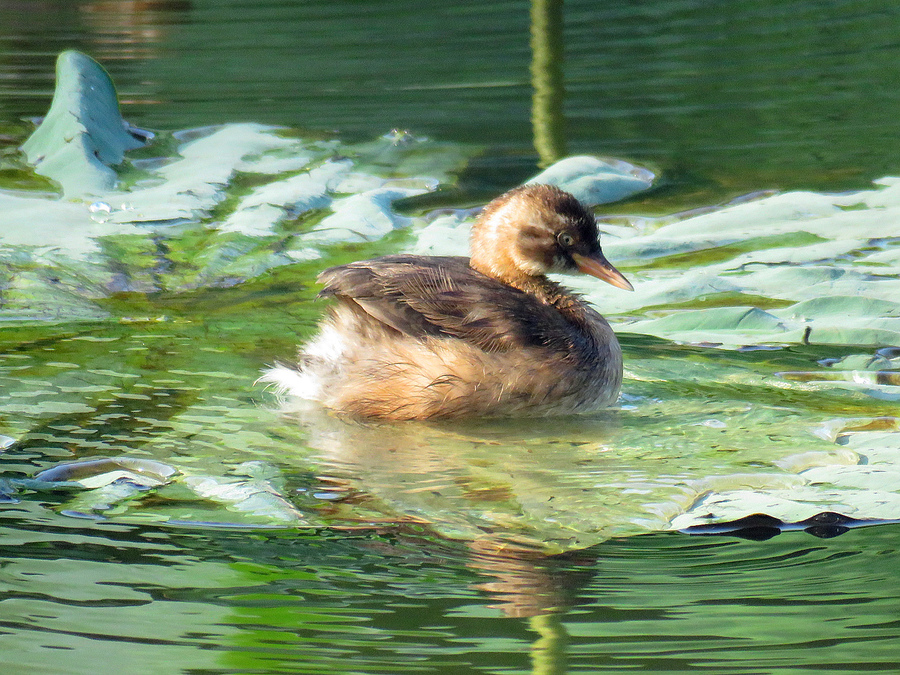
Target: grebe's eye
(565, 239)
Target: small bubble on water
(100, 207)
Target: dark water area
(743, 97)
(292, 543)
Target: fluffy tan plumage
(416, 337)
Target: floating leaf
(595, 181)
(83, 134)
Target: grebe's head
(536, 229)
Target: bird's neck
(547, 291)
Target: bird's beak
(598, 266)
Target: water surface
(81, 599)
(754, 95)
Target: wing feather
(442, 296)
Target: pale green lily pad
(189, 186)
(364, 217)
(859, 481)
(847, 307)
(748, 324)
(662, 292)
(880, 448)
(741, 319)
(268, 205)
(791, 506)
(445, 235)
(83, 134)
(885, 359)
(104, 485)
(36, 225)
(889, 258)
(596, 181)
(159, 235)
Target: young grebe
(417, 337)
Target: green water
(367, 580)
(753, 95)
(290, 542)
(80, 600)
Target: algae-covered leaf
(721, 318)
(83, 134)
